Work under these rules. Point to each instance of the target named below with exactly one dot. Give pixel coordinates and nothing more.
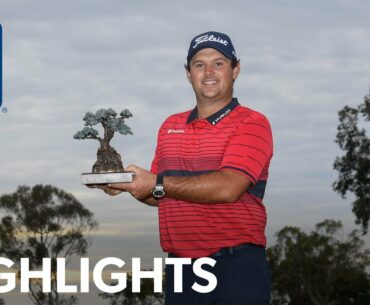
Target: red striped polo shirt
(235, 138)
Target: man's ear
(236, 71)
(188, 74)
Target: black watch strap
(159, 180)
(158, 190)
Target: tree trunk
(108, 160)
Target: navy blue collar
(216, 117)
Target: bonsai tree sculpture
(108, 160)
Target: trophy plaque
(108, 167)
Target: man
(208, 179)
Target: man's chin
(210, 94)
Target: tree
(108, 158)
(147, 296)
(320, 268)
(44, 222)
(354, 166)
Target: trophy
(108, 167)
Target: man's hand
(142, 185)
(140, 188)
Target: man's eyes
(217, 64)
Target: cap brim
(191, 55)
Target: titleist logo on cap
(215, 40)
(205, 38)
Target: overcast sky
(302, 61)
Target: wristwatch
(158, 190)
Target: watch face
(158, 193)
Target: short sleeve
(250, 148)
(154, 166)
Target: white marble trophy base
(105, 178)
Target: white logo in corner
(176, 131)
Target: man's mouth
(210, 82)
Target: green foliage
(86, 133)
(354, 166)
(118, 125)
(319, 268)
(110, 122)
(44, 221)
(125, 114)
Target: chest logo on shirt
(176, 131)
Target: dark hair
(234, 63)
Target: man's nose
(209, 70)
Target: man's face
(212, 76)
